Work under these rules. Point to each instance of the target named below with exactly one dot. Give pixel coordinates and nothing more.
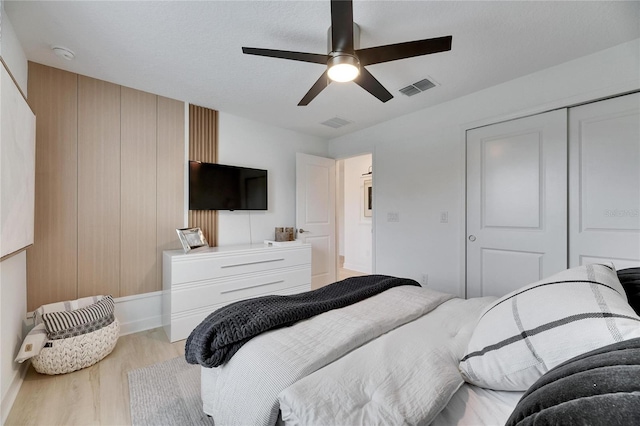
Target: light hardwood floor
(346, 273)
(98, 395)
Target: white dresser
(199, 282)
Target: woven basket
(75, 353)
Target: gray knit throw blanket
(222, 333)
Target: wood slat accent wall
(53, 259)
(109, 187)
(138, 272)
(203, 146)
(170, 176)
(98, 187)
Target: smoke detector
(63, 52)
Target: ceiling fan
(345, 62)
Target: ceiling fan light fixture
(343, 68)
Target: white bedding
(403, 377)
(245, 390)
(474, 406)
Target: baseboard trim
(139, 312)
(136, 313)
(12, 392)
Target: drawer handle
(251, 263)
(251, 286)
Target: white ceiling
(192, 50)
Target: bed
(410, 355)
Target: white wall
(13, 271)
(419, 159)
(13, 297)
(12, 52)
(357, 227)
(247, 143)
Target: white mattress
(474, 406)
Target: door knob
(472, 238)
(302, 231)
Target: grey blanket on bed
(599, 388)
(216, 339)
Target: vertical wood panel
(52, 260)
(109, 186)
(138, 269)
(203, 143)
(98, 187)
(170, 177)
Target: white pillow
(524, 334)
(32, 343)
(66, 306)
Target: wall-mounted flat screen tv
(223, 187)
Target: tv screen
(222, 187)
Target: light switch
(444, 217)
(393, 217)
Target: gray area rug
(167, 393)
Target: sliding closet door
(516, 203)
(605, 182)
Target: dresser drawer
(183, 323)
(198, 283)
(208, 293)
(200, 268)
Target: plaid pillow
(531, 330)
(63, 324)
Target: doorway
(354, 216)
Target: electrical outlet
(424, 280)
(444, 217)
(393, 217)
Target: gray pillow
(600, 387)
(630, 280)
(64, 324)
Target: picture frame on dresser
(191, 238)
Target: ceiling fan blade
(315, 58)
(392, 52)
(342, 26)
(317, 87)
(369, 83)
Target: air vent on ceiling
(336, 122)
(417, 87)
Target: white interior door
(316, 214)
(516, 203)
(604, 182)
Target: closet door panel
(52, 260)
(98, 187)
(516, 203)
(138, 269)
(605, 182)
